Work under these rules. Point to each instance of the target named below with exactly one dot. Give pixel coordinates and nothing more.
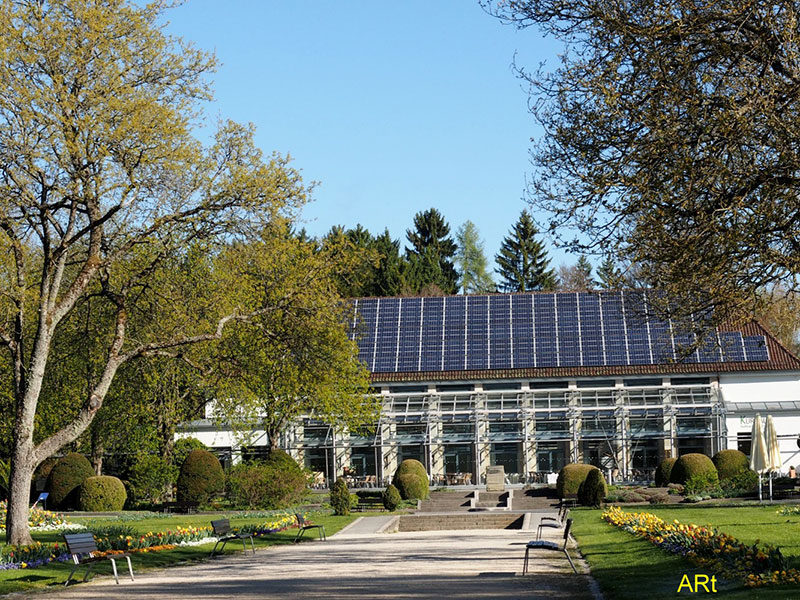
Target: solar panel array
(519, 331)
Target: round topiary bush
(182, 447)
(592, 491)
(340, 497)
(411, 466)
(411, 486)
(201, 477)
(664, 471)
(691, 465)
(571, 477)
(411, 490)
(65, 479)
(391, 498)
(101, 494)
(730, 463)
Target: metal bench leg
(114, 568)
(322, 535)
(571, 564)
(221, 549)
(71, 573)
(252, 544)
(539, 531)
(244, 545)
(88, 570)
(525, 564)
(299, 534)
(130, 567)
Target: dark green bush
(102, 494)
(340, 497)
(201, 477)
(411, 486)
(410, 466)
(269, 484)
(592, 491)
(182, 448)
(740, 484)
(571, 477)
(664, 471)
(65, 479)
(151, 477)
(391, 498)
(691, 464)
(730, 463)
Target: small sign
(746, 421)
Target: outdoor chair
(224, 534)
(82, 548)
(305, 526)
(555, 522)
(547, 545)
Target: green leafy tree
(523, 264)
(103, 186)
(474, 277)
(388, 279)
(431, 253)
(670, 134)
(296, 359)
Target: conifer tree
(431, 247)
(609, 275)
(523, 264)
(471, 261)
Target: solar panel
(538, 330)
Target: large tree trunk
(17, 530)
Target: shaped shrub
(201, 477)
(65, 479)
(102, 494)
(690, 465)
(592, 491)
(391, 498)
(571, 477)
(340, 497)
(182, 448)
(411, 486)
(277, 482)
(730, 463)
(664, 470)
(412, 466)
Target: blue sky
(393, 107)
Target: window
(455, 387)
(549, 385)
(488, 387)
(408, 389)
(596, 383)
(744, 442)
(689, 380)
(642, 382)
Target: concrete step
(470, 521)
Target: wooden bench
(180, 507)
(82, 548)
(370, 503)
(224, 533)
(305, 526)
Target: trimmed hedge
(411, 486)
(65, 479)
(592, 491)
(102, 493)
(391, 498)
(664, 471)
(730, 463)
(690, 465)
(571, 477)
(276, 482)
(201, 477)
(411, 466)
(340, 497)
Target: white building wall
(780, 392)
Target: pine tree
(610, 276)
(431, 244)
(471, 261)
(523, 264)
(388, 279)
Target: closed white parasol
(758, 452)
(774, 462)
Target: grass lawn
(54, 574)
(628, 567)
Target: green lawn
(54, 574)
(627, 567)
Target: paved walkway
(474, 564)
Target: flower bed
(753, 564)
(37, 554)
(38, 519)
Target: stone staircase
(481, 520)
(440, 502)
(492, 501)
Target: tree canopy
(431, 253)
(474, 277)
(103, 186)
(670, 138)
